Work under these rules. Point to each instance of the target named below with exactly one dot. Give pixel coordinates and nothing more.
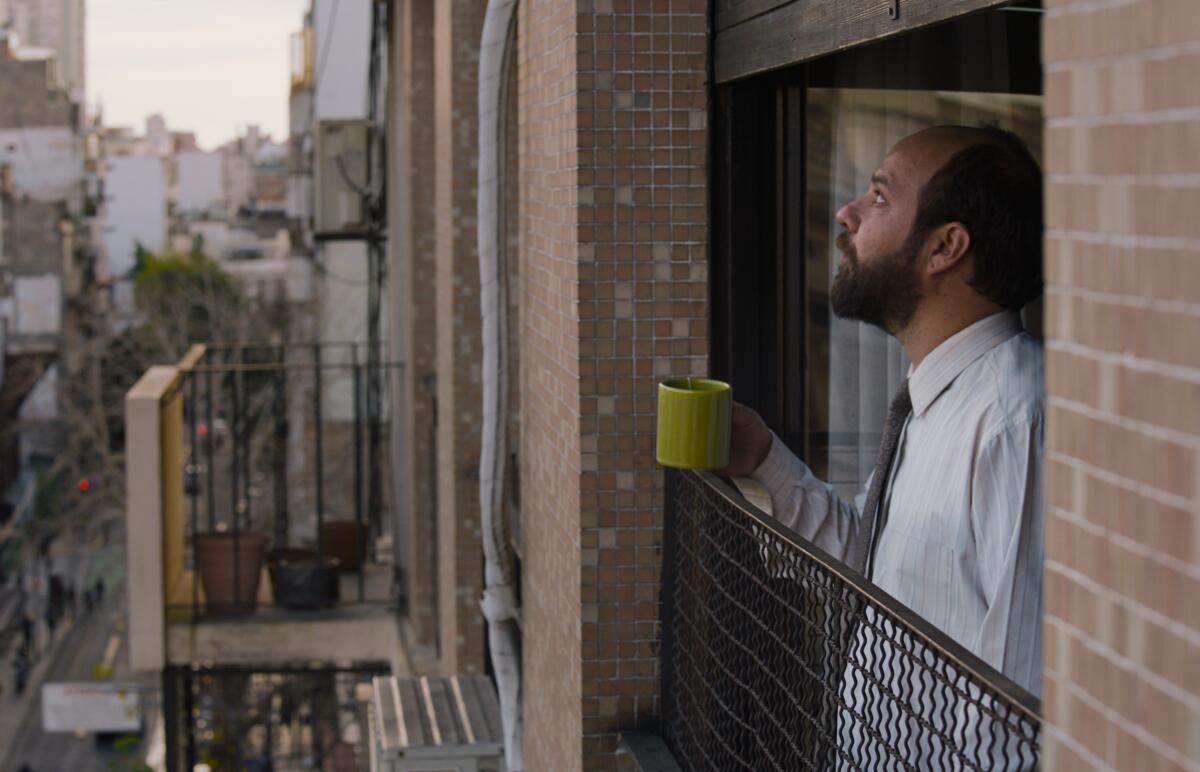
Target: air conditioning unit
(341, 178)
(435, 725)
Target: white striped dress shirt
(963, 544)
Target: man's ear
(947, 244)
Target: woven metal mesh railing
(777, 657)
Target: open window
(790, 146)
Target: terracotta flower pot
(230, 566)
(346, 542)
(302, 579)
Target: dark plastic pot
(230, 565)
(345, 541)
(302, 579)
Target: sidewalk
(15, 710)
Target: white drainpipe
(499, 595)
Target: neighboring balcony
(775, 656)
(260, 518)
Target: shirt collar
(942, 365)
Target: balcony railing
(778, 657)
(284, 453)
(255, 483)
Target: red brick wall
(1122, 584)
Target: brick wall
(457, 25)
(614, 297)
(548, 380)
(414, 229)
(1122, 583)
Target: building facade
(57, 26)
(637, 249)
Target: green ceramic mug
(693, 423)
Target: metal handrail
(931, 636)
(207, 383)
(776, 655)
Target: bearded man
(941, 251)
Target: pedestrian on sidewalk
(21, 674)
(26, 633)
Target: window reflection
(854, 368)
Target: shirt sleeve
(807, 505)
(1007, 522)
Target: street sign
(90, 707)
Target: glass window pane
(854, 368)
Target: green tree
(182, 298)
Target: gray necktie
(873, 515)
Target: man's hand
(749, 442)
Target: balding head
(986, 179)
(929, 149)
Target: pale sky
(209, 66)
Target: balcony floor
(351, 632)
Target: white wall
(239, 179)
(46, 162)
(342, 310)
(200, 181)
(37, 306)
(269, 275)
(136, 209)
(299, 196)
(341, 57)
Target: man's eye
(879, 198)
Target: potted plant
(344, 541)
(303, 579)
(230, 563)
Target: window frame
(757, 289)
(756, 36)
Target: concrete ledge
(272, 636)
(649, 752)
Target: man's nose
(847, 217)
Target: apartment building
(587, 197)
(669, 172)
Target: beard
(884, 292)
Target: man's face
(877, 280)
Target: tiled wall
(614, 298)
(456, 29)
(1122, 583)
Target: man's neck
(929, 328)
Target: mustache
(844, 244)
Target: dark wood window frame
(756, 36)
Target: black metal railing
(778, 657)
(249, 717)
(284, 466)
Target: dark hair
(994, 188)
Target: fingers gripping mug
(693, 423)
